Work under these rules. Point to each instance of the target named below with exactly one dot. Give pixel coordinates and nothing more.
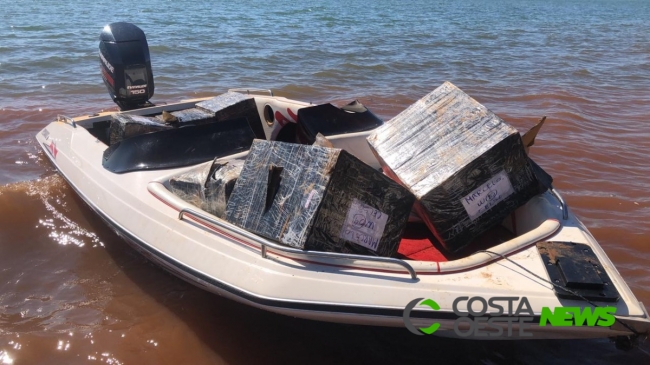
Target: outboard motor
(125, 65)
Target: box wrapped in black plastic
(208, 187)
(233, 105)
(465, 165)
(192, 116)
(125, 126)
(225, 107)
(318, 198)
(189, 185)
(219, 186)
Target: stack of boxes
(462, 166)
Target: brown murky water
(71, 291)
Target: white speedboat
(524, 280)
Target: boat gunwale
(547, 228)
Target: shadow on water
(237, 333)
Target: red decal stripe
(281, 119)
(107, 77)
(292, 115)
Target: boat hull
(224, 261)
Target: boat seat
(329, 120)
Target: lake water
(71, 291)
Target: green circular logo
(407, 316)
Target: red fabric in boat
(418, 243)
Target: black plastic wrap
(208, 187)
(330, 120)
(125, 126)
(219, 186)
(192, 115)
(465, 165)
(325, 199)
(189, 185)
(234, 105)
(545, 180)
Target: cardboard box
(465, 165)
(318, 198)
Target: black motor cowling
(125, 65)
